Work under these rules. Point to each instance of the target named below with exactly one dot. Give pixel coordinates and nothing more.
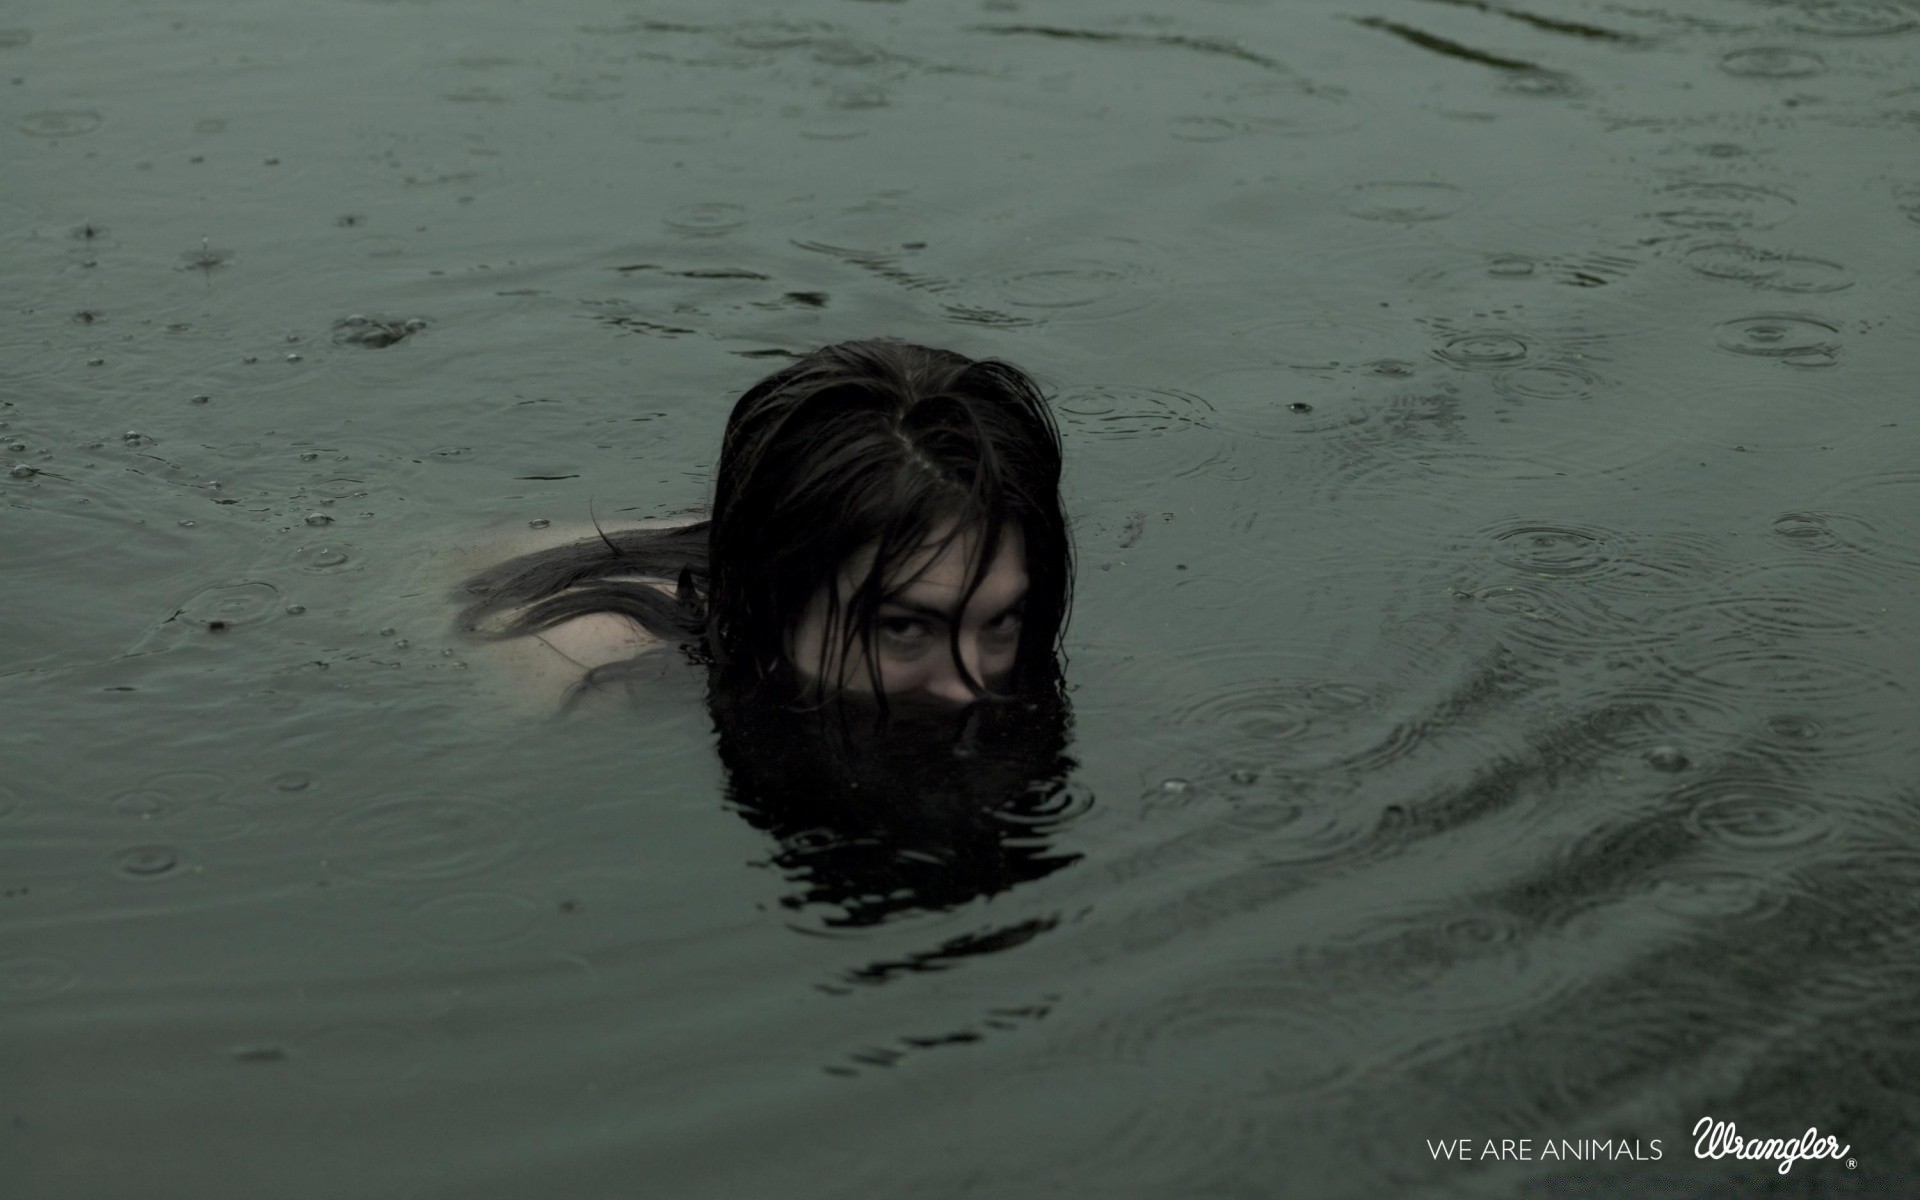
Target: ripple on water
(320, 559)
(1820, 532)
(1878, 520)
(244, 603)
(1482, 350)
(711, 218)
(1293, 109)
(1614, 1049)
(846, 52)
(1551, 619)
(35, 977)
(1853, 18)
(415, 840)
(1402, 203)
(1779, 335)
(1548, 550)
(1714, 895)
(1118, 466)
(1553, 382)
(1800, 599)
(1200, 128)
(1316, 342)
(468, 919)
(1907, 197)
(1253, 1029)
(1723, 206)
(58, 122)
(1766, 270)
(1551, 85)
(189, 801)
(1077, 289)
(1791, 735)
(146, 862)
(1255, 706)
(1772, 62)
(1781, 675)
(876, 233)
(1120, 411)
(1442, 960)
(1754, 814)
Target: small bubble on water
(294, 610)
(131, 435)
(1667, 758)
(292, 781)
(309, 455)
(201, 399)
(1244, 776)
(389, 631)
(319, 518)
(17, 447)
(23, 471)
(187, 524)
(96, 362)
(1300, 406)
(1175, 786)
(293, 358)
(538, 523)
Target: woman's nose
(950, 684)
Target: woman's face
(913, 630)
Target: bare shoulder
(492, 547)
(540, 669)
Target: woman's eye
(1005, 623)
(904, 629)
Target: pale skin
(913, 643)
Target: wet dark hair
(877, 444)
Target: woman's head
(887, 519)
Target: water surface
(1493, 477)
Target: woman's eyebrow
(934, 610)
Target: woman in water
(885, 541)
(886, 522)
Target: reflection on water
(924, 811)
(1491, 683)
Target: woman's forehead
(944, 563)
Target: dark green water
(1494, 667)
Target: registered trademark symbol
(1851, 1164)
